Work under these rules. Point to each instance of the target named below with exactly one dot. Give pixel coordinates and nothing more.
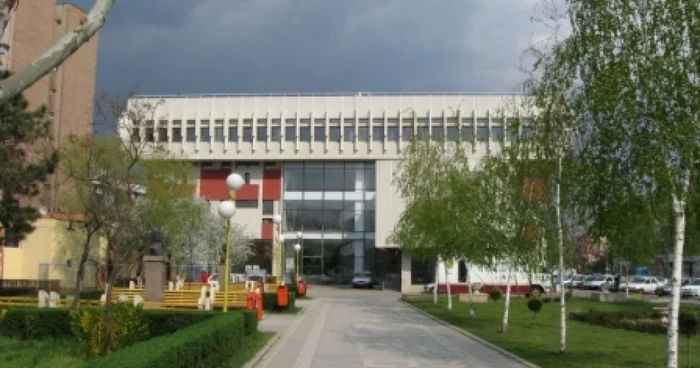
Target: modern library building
(325, 163)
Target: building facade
(324, 162)
(68, 92)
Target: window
(468, 133)
(335, 134)
(305, 133)
(219, 134)
(191, 134)
(392, 134)
(290, 134)
(136, 135)
(246, 204)
(162, 134)
(437, 132)
(246, 177)
(177, 135)
(247, 134)
(378, 134)
(262, 134)
(349, 134)
(452, 133)
(10, 240)
(423, 132)
(422, 272)
(497, 133)
(269, 164)
(363, 133)
(276, 134)
(226, 165)
(482, 133)
(407, 133)
(207, 165)
(204, 134)
(319, 134)
(232, 134)
(268, 208)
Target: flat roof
(329, 94)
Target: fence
(21, 287)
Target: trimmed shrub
(626, 320)
(270, 301)
(162, 322)
(88, 326)
(495, 294)
(35, 323)
(534, 305)
(250, 321)
(206, 344)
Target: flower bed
(648, 322)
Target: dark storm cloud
(223, 46)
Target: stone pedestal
(155, 278)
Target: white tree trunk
(560, 246)
(677, 273)
(627, 283)
(437, 277)
(6, 8)
(449, 289)
(472, 314)
(56, 54)
(506, 308)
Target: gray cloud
(258, 46)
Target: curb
(261, 354)
(478, 339)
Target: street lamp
(226, 210)
(297, 248)
(277, 219)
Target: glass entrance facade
(332, 204)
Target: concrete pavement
(346, 328)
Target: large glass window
(247, 134)
(335, 134)
(290, 134)
(319, 134)
(305, 134)
(232, 134)
(349, 134)
(262, 134)
(363, 134)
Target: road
(345, 328)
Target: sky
(306, 46)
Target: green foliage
(162, 322)
(35, 323)
(270, 301)
(495, 294)
(627, 320)
(688, 322)
(88, 327)
(26, 163)
(534, 305)
(250, 320)
(207, 344)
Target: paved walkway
(345, 328)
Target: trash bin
(259, 305)
(252, 300)
(282, 296)
(301, 288)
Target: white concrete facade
(373, 127)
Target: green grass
(537, 339)
(251, 346)
(39, 354)
(305, 297)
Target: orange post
(251, 300)
(260, 306)
(282, 296)
(301, 287)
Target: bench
(19, 301)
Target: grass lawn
(251, 345)
(537, 339)
(38, 354)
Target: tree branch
(56, 54)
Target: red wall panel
(268, 230)
(248, 192)
(212, 184)
(272, 185)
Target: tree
(54, 55)
(635, 63)
(27, 161)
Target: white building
(324, 162)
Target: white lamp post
(297, 248)
(226, 210)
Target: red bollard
(251, 300)
(259, 304)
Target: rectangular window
(392, 134)
(335, 134)
(177, 135)
(290, 134)
(150, 137)
(136, 135)
(468, 133)
(247, 134)
(246, 178)
(276, 134)
(246, 204)
(407, 133)
(262, 134)
(268, 207)
(204, 134)
(207, 165)
(226, 165)
(191, 134)
(378, 134)
(482, 133)
(305, 133)
(162, 134)
(219, 134)
(349, 134)
(363, 133)
(452, 133)
(319, 134)
(497, 133)
(424, 132)
(437, 132)
(232, 134)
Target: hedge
(250, 321)
(35, 323)
(206, 344)
(626, 320)
(270, 301)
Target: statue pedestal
(155, 278)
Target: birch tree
(54, 55)
(637, 63)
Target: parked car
(596, 282)
(574, 281)
(665, 290)
(642, 284)
(363, 279)
(691, 290)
